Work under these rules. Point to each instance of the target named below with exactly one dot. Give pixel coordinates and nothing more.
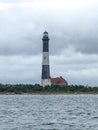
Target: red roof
(58, 81)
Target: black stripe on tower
(45, 72)
(45, 46)
(45, 42)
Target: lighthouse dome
(45, 34)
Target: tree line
(29, 88)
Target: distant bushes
(29, 88)
(20, 88)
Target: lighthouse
(45, 78)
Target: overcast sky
(73, 32)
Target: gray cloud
(21, 29)
(17, 69)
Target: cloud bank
(72, 27)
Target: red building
(58, 81)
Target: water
(48, 112)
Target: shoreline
(48, 93)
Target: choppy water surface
(48, 112)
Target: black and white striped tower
(45, 79)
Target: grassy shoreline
(29, 89)
(48, 93)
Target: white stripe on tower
(45, 58)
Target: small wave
(48, 123)
(96, 117)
